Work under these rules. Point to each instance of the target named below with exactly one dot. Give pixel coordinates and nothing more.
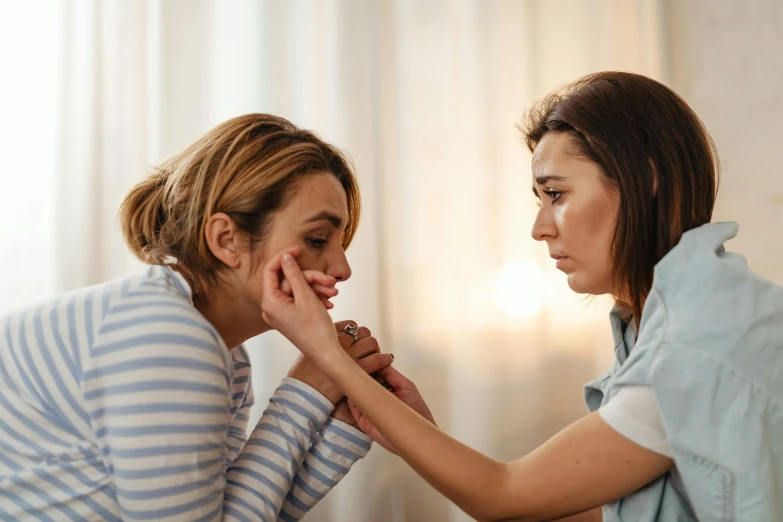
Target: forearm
(338, 447)
(471, 480)
(261, 476)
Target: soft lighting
(518, 288)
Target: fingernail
(392, 356)
(288, 258)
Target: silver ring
(353, 330)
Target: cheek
(588, 231)
(309, 260)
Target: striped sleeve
(242, 400)
(337, 448)
(261, 476)
(158, 391)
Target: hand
(322, 285)
(402, 388)
(300, 317)
(365, 351)
(342, 412)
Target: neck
(232, 316)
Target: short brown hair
(652, 149)
(244, 167)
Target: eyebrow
(543, 180)
(335, 220)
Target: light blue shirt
(710, 344)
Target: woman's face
(577, 216)
(314, 218)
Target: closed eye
(316, 243)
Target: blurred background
(424, 96)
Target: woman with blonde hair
(129, 400)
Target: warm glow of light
(519, 288)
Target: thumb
(358, 416)
(395, 379)
(294, 275)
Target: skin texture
(586, 465)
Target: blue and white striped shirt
(121, 402)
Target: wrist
(331, 359)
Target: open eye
(554, 194)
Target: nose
(544, 226)
(338, 266)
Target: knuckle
(345, 339)
(364, 332)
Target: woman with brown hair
(688, 422)
(130, 400)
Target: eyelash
(316, 243)
(554, 194)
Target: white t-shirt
(633, 412)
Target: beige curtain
(424, 96)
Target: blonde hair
(244, 167)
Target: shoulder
(699, 268)
(706, 307)
(155, 309)
(710, 297)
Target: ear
(224, 239)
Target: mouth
(559, 260)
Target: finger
(271, 273)
(356, 412)
(293, 273)
(359, 417)
(325, 291)
(363, 347)
(348, 340)
(345, 340)
(315, 276)
(395, 379)
(363, 333)
(340, 325)
(327, 303)
(382, 382)
(375, 362)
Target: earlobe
(223, 239)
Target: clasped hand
(295, 302)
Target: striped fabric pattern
(121, 402)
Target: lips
(559, 260)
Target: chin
(581, 284)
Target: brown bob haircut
(653, 151)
